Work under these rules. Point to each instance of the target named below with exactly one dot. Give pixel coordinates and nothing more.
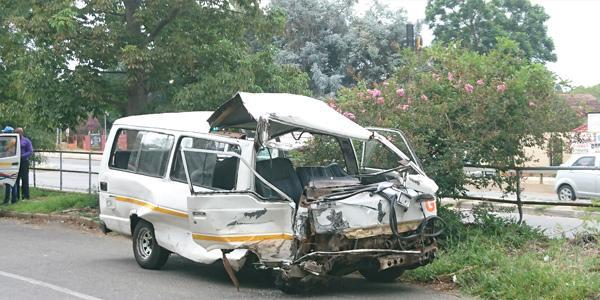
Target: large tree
(136, 56)
(338, 47)
(478, 23)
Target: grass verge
(496, 259)
(48, 201)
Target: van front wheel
(147, 252)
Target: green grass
(496, 259)
(48, 201)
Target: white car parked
(573, 184)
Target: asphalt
(58, 261)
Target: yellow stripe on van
(242, 238)
(5, 164)
(152, 206)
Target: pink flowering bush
(468, 88)
(510, 106)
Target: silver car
(573, 184)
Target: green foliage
(478, 23)
(459, 106)
(46, 201)
(320, 150)
(60, 60)
(593, 90)
(497, 259)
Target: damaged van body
(281, 181)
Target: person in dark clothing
(26, 152)
(10, 192)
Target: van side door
(225, 213)
(10, 158)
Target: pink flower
(349, 115)
(424, 98)
(501, 87)
(480, 82)
(404, 107)
(531, 104)
(380, 101)
(374, 93)
(450, 76)
(469, 88)
(400, 92)
(436, 77)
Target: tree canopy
(460, 107)
(337, 47)
(138, 56)
(478, 23)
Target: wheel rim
(144, 243)
(566, 194)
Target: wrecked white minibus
(279, 181)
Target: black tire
(566, 193)
(387, 275)
(147, 252)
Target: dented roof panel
(286, 113)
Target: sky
(571, 25)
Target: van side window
(141, 152)
(154, 153)
(8, 146)
(586, 161)
(207, 169)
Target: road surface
(54, 261)
(70, 181)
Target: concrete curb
(552, 211)
(78, 220)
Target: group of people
(20, 190)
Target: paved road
(71, 181)
(54, 261)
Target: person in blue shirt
(10, 193)
(26, 153)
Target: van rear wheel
(147, 252)
(387, 275)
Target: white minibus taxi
(219, 185)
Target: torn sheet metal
(362, 215)
(288, 112)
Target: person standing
(10, 192)
(26, 152)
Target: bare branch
(164, 22)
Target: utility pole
(410, 36)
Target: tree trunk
(137, 96)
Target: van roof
(194, 121)
(286, 113)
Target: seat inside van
(279, 172)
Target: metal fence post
(519, 203)
(90, 173)
(34, 173)
(61, 169)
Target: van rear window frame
(211, 188)
(116, 143)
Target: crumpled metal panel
(363, 215)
